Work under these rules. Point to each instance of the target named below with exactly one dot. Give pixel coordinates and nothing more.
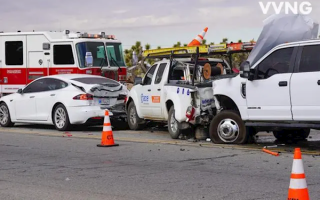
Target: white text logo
(295, 8)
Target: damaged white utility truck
(175, 92)
(278, 87)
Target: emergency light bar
(102, 35)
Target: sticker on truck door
(144, 98)
(155, 99)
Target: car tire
(5, 118)
(284, 135)
(61, 118)
(227, 127)
(134, 121)
(173, 128)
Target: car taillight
(122, 97)
(190, 113)
(83, 97)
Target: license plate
(104, 101)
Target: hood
(282, 28)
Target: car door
(47, 98)
(145, 95)
(268, 95)
(25, 103)
(156, 100)
(305, 84)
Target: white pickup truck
(169, 93)
(280, 93)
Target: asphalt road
(54, 167)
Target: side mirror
(246, 72)
(137, 80)
(20, 91)
(89, 59)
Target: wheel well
(227, 103)
(54, 107)
(169, 103)
(129, 101)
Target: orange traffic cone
(107, 136)
(197, 41)
(298, 185)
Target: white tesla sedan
(64, 100)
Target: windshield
(115, 54)
(98, 53)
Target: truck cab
(278, 93)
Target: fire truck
(26, 56)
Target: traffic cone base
(107, 135)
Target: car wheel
(227, 127)
(5, 119)
(134, 121)
(61, 118)
(173, 125)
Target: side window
(310, 59)
(159, 75)
(14, 52)
(148, 78)
(36, 86)
(277, 62)
(54, 84)
(63, 54)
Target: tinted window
(161, 69)
(148, 78)
(36, 86)
(54, 84)
(310, 59)
(277, 62)
(89, 80)
(63, 55)
(14, 53)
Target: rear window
(103, 81)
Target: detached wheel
(134, 121)
(61, 118)
(5, 119)
(227, 127)
(173, 125)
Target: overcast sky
(157, 22)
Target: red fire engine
(25, 56)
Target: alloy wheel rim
(4, 115)
(60, 117)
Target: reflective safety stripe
(107, 124)
(107, 128)
(298, 176)
(297, 167)
(298, 184)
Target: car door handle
(52, 94)
(159, 89)
(149, 90)
(318, 82)
(31, 96)
(283, 83)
